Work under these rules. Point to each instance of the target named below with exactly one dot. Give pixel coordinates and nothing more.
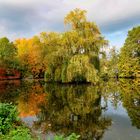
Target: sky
(26, 18)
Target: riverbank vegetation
(80, 54)
(11, 128)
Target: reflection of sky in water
(112, 110)
(121, 128)
(29, 120)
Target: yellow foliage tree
(30, 55)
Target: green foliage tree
(80, 69)
(109, 63)
(8, 53)
(129, 61)
(77, 51)
(113, 63)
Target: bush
(10, 126)
(20, 133)
(8, 116)
(73, 136)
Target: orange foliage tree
(30, 56)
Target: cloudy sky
(26, 18)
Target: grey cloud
(17, 19)
(116, 15)
(29, 17)
(26, 20)
(118, 25)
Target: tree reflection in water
(9, 90)
(130, 92)
(27, 95)
(64, 109)
(73, 109)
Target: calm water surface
(109, 111)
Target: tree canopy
(77, 54)
(7, 53)
(129, 62)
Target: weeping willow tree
(79, 69)
(76, 58)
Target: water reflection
(27, 95)
(9, 90)
(84, 109)
(130, 92)
(74, 109)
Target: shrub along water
(11, 127)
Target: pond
(109, 111)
